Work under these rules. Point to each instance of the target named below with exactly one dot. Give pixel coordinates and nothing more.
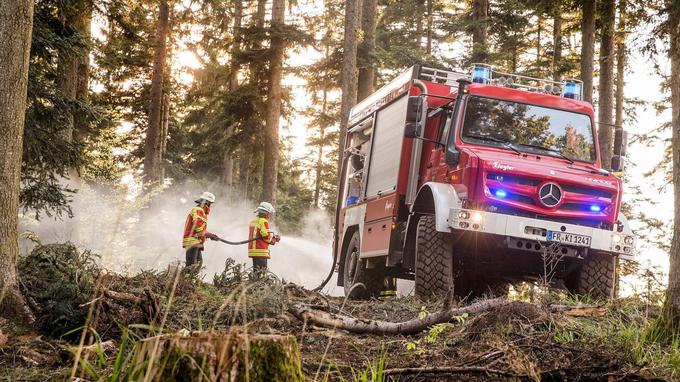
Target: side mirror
(620, 142)
(414, 109)
(452, 156)
(617, 163)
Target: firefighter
(196, 230)
(262, 237)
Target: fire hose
(276, 238)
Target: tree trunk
(273, 112)
(606, 91)
(538, 42)
(557, 43)
(620, 62)
(349, 71)
(16, 23)
(234, 68)
(366, 50)
(165, 125)
(672, 303)
(430, 20)
(83, 87)
(588, 9)
(243, 170)
(322, 136)
(479, 30)
(152, 147)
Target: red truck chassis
(473, 182)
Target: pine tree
(671, 310)
(479, 30)
(366, 49)
(16, 18)
(349, 70)
(273, 112)
(606, 88)
(588, 13)
(154, 138)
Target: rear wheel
(595, 278)
(355, 272)
(434, 260)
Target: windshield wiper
(552, 150)
(497, 140)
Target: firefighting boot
(390, 289)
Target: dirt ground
(519, 341)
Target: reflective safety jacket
(195, 227)
(260, 247)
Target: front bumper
(518, 227)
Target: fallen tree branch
(449, 369)
(355, 325)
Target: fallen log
(234, 356)
(356, 325)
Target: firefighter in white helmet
(196, 230)
(262, 238)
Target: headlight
(464, 215)
(477, 217)
(628, 240)
(616, 238)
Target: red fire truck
(471, 182)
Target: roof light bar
(485, 74)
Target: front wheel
(434, 260)
(355, 272)
(595, 278)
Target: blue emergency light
(501, 193)
(481, 74)
(595, 208)
(572, 90)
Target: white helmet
(207, 196)
(266, 208)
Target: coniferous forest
(115, 115)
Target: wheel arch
(346, 238)
(433, 199)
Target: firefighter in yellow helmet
(196, 230)
(262, 238)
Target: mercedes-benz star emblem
(550, 194)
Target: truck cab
(470, 182)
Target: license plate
(569, 238)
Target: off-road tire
(371, 278)
(434, 260)
(595, 278)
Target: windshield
(528, 128)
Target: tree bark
(480, 17)
(588, 9)
(152, 147)
(557, 43)
(16, 23)
(606, 91)
(620, 62)
(366, 50)
(349, 71)
(672, 303)
(273, 112)
(83, 87)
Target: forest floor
(516, 341)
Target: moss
(275, 359)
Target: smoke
(133, 234)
